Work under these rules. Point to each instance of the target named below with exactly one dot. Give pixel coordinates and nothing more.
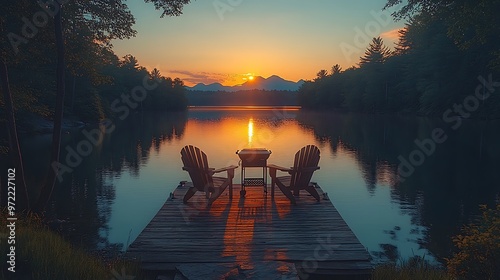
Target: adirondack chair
(196, 164)
(305, 163)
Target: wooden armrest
(307, 169)
(232, 167)
(292, 170)
(198, 169)
(280, 168)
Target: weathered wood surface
(223, 271)
(249, 232)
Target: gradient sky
(293, 39)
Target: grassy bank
(415, 268)
(43, 254)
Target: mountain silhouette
(272, 83)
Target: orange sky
(293, 40)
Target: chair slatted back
(196, 164)
(306, 158)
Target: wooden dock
(255, 237)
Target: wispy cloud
(392, 35)
(193, 78)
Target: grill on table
(253, 157)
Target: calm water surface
(113, 194)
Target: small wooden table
(253, 158)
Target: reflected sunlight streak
(250, 132)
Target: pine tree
(321, 75)
(377, 52)
(336, 69)
(155, 74)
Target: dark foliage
(440, 60)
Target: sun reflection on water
(250, 132)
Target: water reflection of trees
(446, 190)
(131, 144)
(81, 204)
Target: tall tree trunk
(73, 94)
(50, 182)
(22, 199)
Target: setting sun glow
(249, 76)
(250, 131)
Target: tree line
(56, 59)
(447, 52)
(254, 97)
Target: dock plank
(252, 232)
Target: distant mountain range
(272, 83)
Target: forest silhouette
(446, 50)
(60, 64)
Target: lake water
(116, 190)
